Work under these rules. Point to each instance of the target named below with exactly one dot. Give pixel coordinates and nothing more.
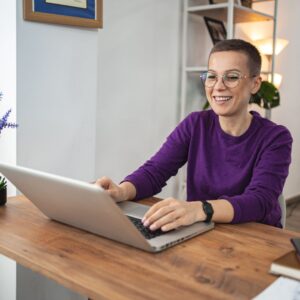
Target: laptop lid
(79, 204)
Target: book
(287, 265)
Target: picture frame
(216, 29)
(83, 13)
(247, 3)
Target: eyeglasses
(230, 79)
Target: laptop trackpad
(133, 209)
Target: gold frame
(31, 15)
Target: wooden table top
(229, 262)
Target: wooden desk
(230, 262)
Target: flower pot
(3, 196)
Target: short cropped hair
(254, 58)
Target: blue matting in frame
(57, 9)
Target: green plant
(267, 97)
(3, 183)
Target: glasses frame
(203, 79)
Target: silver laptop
(89, 207)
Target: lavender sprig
(11, 125)
(3, 120)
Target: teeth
(222, 98)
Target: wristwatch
(208, 210)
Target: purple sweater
(249, 171)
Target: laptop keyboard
(147, 233)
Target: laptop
(89, 207)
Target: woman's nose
(220, 83)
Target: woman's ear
(256, 84)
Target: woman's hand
(124, 191)
(171, 213)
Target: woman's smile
(221, 99)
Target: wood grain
(229, 262)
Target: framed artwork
(216, 29)
(86, 13)
(247, 3)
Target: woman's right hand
(124, 191)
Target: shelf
(219, 11)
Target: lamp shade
(265, 46)
(276, 79)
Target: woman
(237, 160)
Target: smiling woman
(229, 95)
(87, 13)
(237, 160)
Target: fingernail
(143, 220)
(146, 223)
(153, 227)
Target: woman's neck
(236, 125)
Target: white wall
(288, 64)
(57, 92)
(8, 136)
(138, 82)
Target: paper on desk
(282, 288)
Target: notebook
(287, 265)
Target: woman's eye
(232, 77)
(211, 77)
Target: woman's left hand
(171, 213)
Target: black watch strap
(208, 210)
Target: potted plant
(4, 124)
(267, 97)
(3, 190)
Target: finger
(104, 182)
(166, 219)
(183, 218)
(172, 225)
(156, 207)
(162, 212)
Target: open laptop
(89, 207)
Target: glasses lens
(209, 79)
(231, 79)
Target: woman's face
(225, 100)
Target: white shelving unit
(195, 34)
(196, 44)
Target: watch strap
(208, 210)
